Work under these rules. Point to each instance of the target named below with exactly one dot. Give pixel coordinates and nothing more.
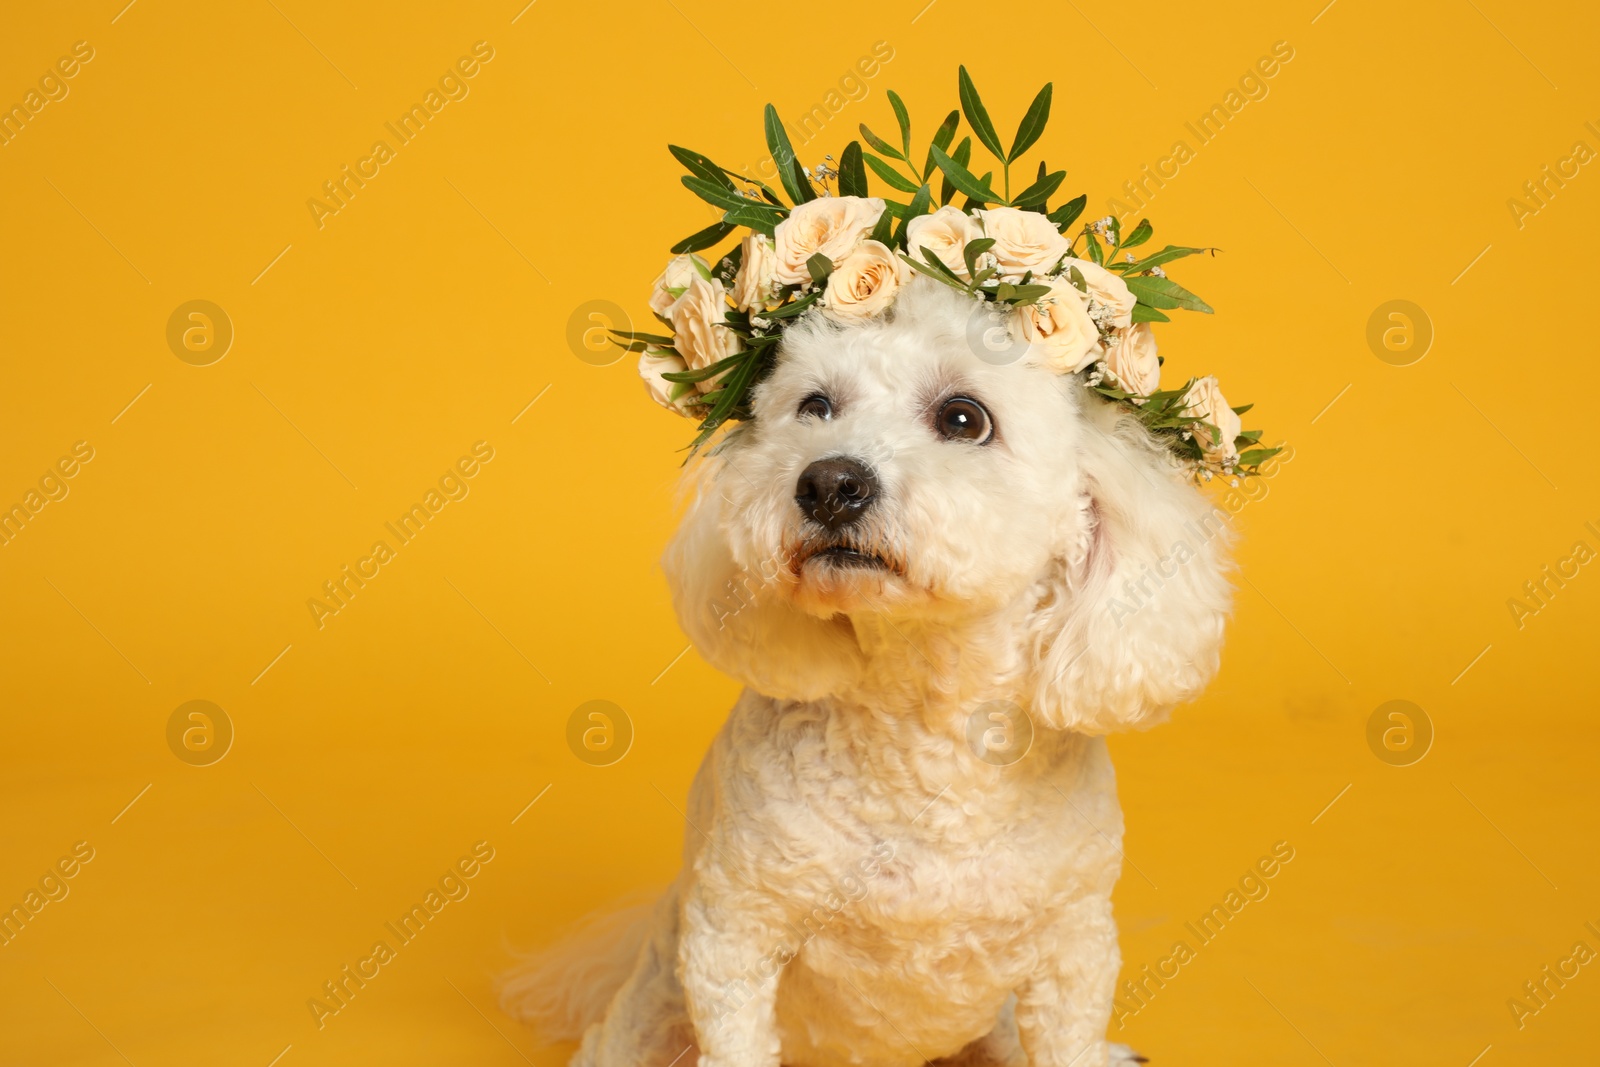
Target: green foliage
(945, 172)
(705, 238)
(852, 177)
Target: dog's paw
(1123, 1056)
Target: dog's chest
(922, 855)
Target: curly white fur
(858, 886)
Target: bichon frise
(942, 578)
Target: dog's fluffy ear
(1130, 619)
(739, 620)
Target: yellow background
(432, 309)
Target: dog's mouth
(842, 555)
(846, 556)
(843, 571)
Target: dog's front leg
(729, 961)
(1063, 1011)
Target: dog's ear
(738, 618)
(1130, 619)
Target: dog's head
(898, 473)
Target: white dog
(927, 546)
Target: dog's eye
(815, 405)
(962, 419)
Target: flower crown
(839, 252)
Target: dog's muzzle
(835, 492)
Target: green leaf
(1146, 313)
(703, 239)
(766, 191)
(977, 115)
(942, 274)
(885, 227)
(852, 176)
(1141, 234)
(1027, 294)
(1242, 408)
(758, 218)
(945, 134)
(1018, 295)
(1040, 191)
(973, 202)
(962, 178)
(699, 165)
(794, 307)
(1095, 252)
(1164, 293)
(1032, 124)
(1166, 255)
(709, 371)
(789, 169)
(939, 265)
(649, 338)
(888, 173)
(820, 266)
(1065, 215)
(973, 250)
(723, 196)
(919, 206)
(880, 145)
(1257, 455)
(962, 155)
(733, 391)
(904, 120)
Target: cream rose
(754, 285)
(697, 327)
(864, 284)
(1059, 330)
(832, 225)
(1133, 363)
(1108, 288)
(652, 365)
(946, 234)
(1205, 401)
(673, 281)
(1023, 241)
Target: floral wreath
(844, 254)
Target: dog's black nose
(835, 492)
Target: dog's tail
(565, 987)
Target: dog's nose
(835, 492)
